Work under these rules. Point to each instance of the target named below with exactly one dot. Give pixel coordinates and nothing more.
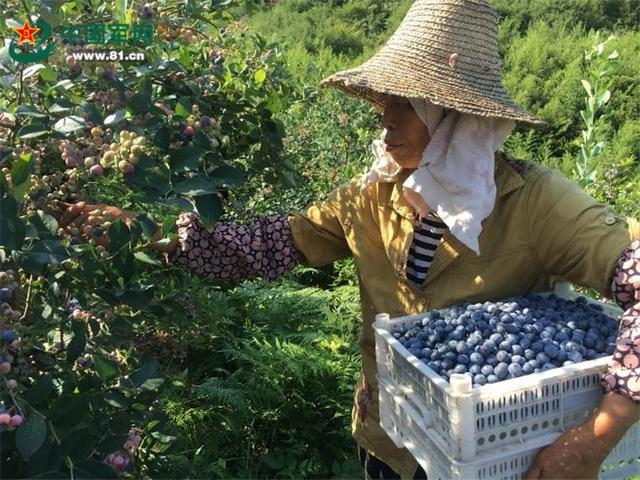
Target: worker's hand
(88, 221)
(574, 455)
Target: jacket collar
(507, 180)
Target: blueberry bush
(79, 391)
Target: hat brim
(356, 84)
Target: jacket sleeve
(574, 236)
(318, 232)
(623, 373)
(235, 252)
(587, 243)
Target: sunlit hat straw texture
(445, 51)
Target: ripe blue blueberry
(515, 370)
(9, 336)
(5, 294)
(476, 358)
(480, 379)
(503, 356)
(517, 349)
(501, 370)
(487, 370)
(492, 379)
(475, 369)
(460, 368)
(463, 359)
(551, 350)
(575, 357)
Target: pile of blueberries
(495, 341)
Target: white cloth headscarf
(455, 177)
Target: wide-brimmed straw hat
(445, 51)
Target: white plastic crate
(405, 427)
(475, 421)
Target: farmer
(443, 217)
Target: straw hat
(445, 51)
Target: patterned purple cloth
(266, 249)
(623, 373)
(235, 252)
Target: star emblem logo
(26, 33)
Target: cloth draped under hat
(444, 55)
(455, 177)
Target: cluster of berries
(492, 342)
(8, 284)
(197, 122)
(121, 459)
(9, 421)
(9, 343)
(57, 186)
(108, 100)
(124, 154)
(172, 32)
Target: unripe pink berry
(12, 384)
(5, 367)
(16, 420)
(96, 170)
(5, 419)
(77, 313)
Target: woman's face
(407, 136)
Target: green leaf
(29, 111)
(163, 438)
(21, 169)
(78, 342)
(229, 176)
(33, 131)
(145, 372)
(587, 86)
(195, 186)
(260, 76)
(139, 103)
(70, 124)
(162, 137)
(143, 257)
(46, 252)
(30, 435)
(152, 384)
(147, 224)
(209, 208)
(119, 235)
(183, 107)
(116, 117)
(46, 459)
(12, 229)
(116, 399)
(106, 369)
(40, 391)
(185, 159)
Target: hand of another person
(572, 456)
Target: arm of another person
(589, 244)
(270, 246)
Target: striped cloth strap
(426, 238)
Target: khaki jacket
(543, 228)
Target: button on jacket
(543, 228)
